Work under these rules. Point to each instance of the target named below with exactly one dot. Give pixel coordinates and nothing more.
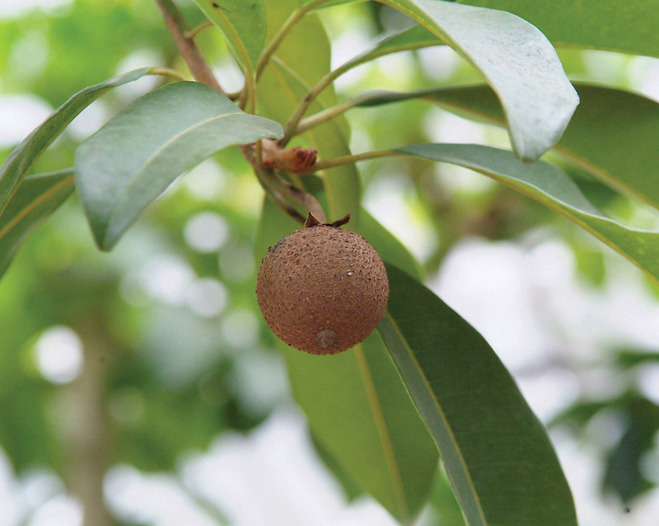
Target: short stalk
(250, 88)
(291, 129)
(330, 113)
(167, 73)
(276, 197)
(192, 33)
(299, 196)
(350, 159)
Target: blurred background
(189, 419)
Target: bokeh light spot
(206, 232)
(59, 355)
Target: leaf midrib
(34, 204)
(152, 158)
(441, 414)
(382, 429)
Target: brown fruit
(322, 289)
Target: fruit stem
(277, 198)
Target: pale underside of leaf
(516, 60)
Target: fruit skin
(322, 289)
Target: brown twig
(267, 157)
(199, 68)
(297, 195)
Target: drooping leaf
(129, 162)
(516, 60)
(553, 188)
(359, 410)
(36, 198)
(624, 464)
(284, 83)
(242, 23)
(500, 461)
(630, 27)
(19, 162)
(613, 134)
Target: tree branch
(189, 51)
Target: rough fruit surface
(322, 289)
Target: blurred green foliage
(174, 375)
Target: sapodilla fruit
(322, 289)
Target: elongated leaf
(285, 82)
(552, 187)
(500, 461)
(131, 160)
(630, 26)
(19, 162)
(36, 198)
(359, 410)
(243, 24)
(516, 60)
(613, 134)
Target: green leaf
(606, 119)
(325, 3)
(129, 162)
(553, 188)
(242, 23)
(614, 136)
(285, 82)
(500, 461)
(387, 245)
(516, 60)
(36, 198)
(630, 26)
(19, 162)
(359, 410)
